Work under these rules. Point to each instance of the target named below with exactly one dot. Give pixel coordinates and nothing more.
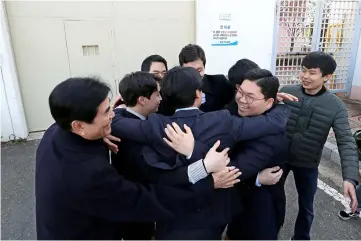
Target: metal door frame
(316, 41)
(354, 50)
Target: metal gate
(332, 26)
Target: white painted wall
(254, 20)
(357, 73)
(13, 124)
(48, 36)
(6, 125)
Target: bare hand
(350, 192)
(285, 96)
(111, 146)
(181, 142)
(270, 176)
(216, 161)
(226, 178)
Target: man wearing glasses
(264, 203)
(155, 64)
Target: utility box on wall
(230, 30)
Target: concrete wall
(356, 83)
(253, 24)
(48, 37)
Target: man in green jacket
(317, 111)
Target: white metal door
(90, 49)
(313, 25)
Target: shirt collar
(187, 108)
(320, 92)
(135, 113)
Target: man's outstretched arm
(130, 128)
(247, 128)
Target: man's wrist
(351, 181)
(257, 181)
(190, 155)
(196, 171)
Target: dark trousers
(259, 219)
(136, 231)
(306, 185)
(164, 232)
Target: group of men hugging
(192, 155)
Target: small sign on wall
(224, 31)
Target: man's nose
(111, 114)
(242, 99)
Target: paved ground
(18, 204)
(17, 191)
(354, 118)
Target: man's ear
(269, 103)
(77, 127)
(141, 100)
(198, 94)
(327, 77)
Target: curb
(330, 152)
(35, 136)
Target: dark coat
(130, 163)
(218, 93)
(251, 157)
(207, 128)
(79, 195)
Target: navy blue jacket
(218, 93)
(255, 155)
(129, 162)
(79, 195)
(274, 154)
(207, 128)
(251, 157)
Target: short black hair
(190, 53)
(135, 85)
(268, 83)
(239, 69)
(150, 59)
(77, 99)
(157, 78)
(179, 86)
(321, 60)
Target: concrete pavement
(326, 225)
(17, 190)
(18, 199)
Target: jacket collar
(135, 114)
(73, 142)
(322, 91)
(187, 113)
